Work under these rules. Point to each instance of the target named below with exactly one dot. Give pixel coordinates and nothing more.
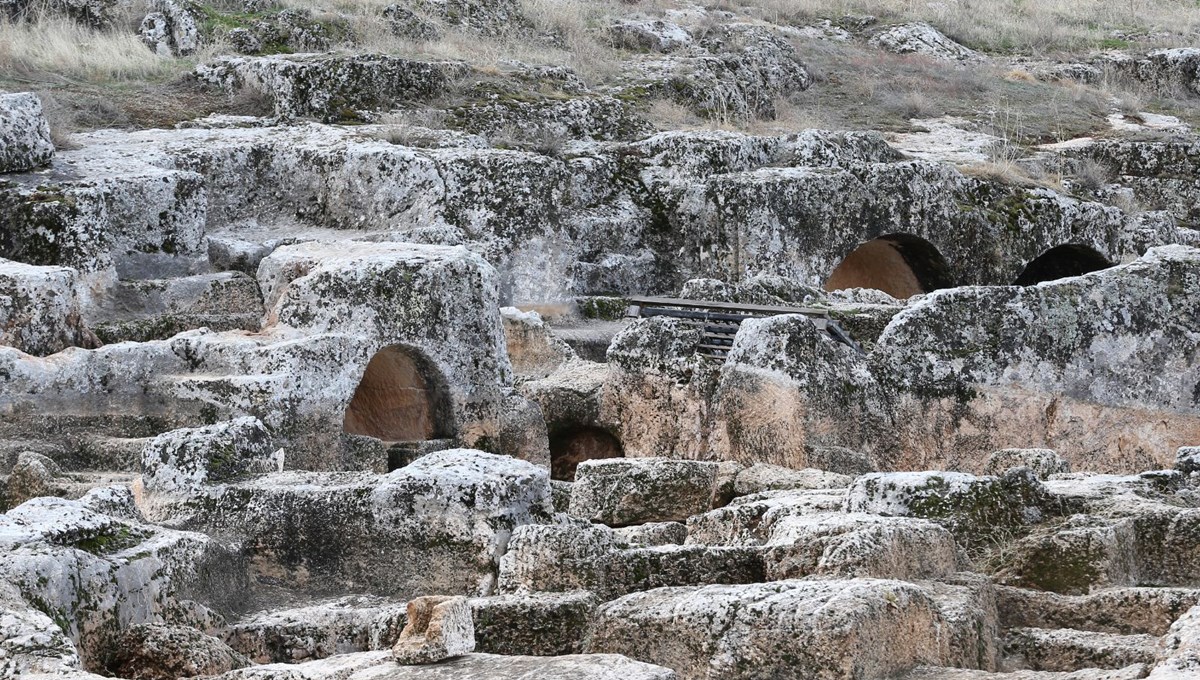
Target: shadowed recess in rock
(1060, 262)
(901, 265)
(572, 445)
(402, 397)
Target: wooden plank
(726, 306)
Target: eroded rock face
(1072, 364)
(158, 652)
(24, 133)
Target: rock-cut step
(1066, 649)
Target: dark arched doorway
(401, 397)
(1060, 262)
(901, 265)
(570, 446)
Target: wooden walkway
(720, 321)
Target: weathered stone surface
(438, 628)
(626, 491)
(172, 28)
(533, 349)
(39, 309)
(158, 309)
(1067, 650)
(24, 133)
(798, 535)
(319, 630)
(568, 557)
(923, 39)
(658, 36)
(765, 477)
(30, 641)
(183, 461)
(790, 629)
(158, 652)
(96, 575)
(1043, 462)
(438, 524)
(738, 73)
(329, 86)
(1179, 649)
(652, 534)
(1187, 459)
(533, 624)
(928, 673)
(316, 288)
(975, 508)
(379, 666)
(1133, 530)
(1126, 611)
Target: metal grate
(720, 321)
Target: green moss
(104, 544)
(602, 307)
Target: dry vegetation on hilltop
(108, 77)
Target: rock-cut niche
(901, 265)
(1060, 262)
(402, 397)
(571, 445)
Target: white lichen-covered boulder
(622, 491)
(24, 133)
(95, 574)
(182, 461)
(974, 508)
(153, 651)
(437, 525)
(1092, 355)
(653, 35)
(172, 29)
(39, 309)
(739, 70)
(923, 39)
(439, 627)
(533, 624)
(1124, 530)
(851, 629)
(380, 666)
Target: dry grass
(64, 50)
(1004, 26)
(861, 88)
